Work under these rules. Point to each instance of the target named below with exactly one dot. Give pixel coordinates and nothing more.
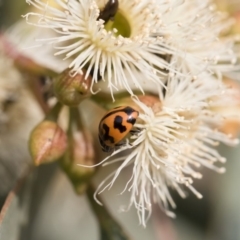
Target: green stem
(105, 100)
(101, 99)
(54, 113)
(79, 119)
(75, 118)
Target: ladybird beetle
(115, 126)
(109, 11)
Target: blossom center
(120, 23)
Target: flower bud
(71, 90)
(236, 26)
(80, 151)
(230, 110)
(47, 142)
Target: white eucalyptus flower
(127, 43)
(193, 32)
(187, 34)
(178, 135)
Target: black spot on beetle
(106, 136)
(128, 110)
(131, 120)
(118, 124)
(105, 148)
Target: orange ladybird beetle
(115, 126)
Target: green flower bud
(47, 142)
(71, 90)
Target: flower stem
(54, 113)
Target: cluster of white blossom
(175, 51)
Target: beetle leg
(124, 143)
(120, 144)
(135, 131)
(104, 147)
